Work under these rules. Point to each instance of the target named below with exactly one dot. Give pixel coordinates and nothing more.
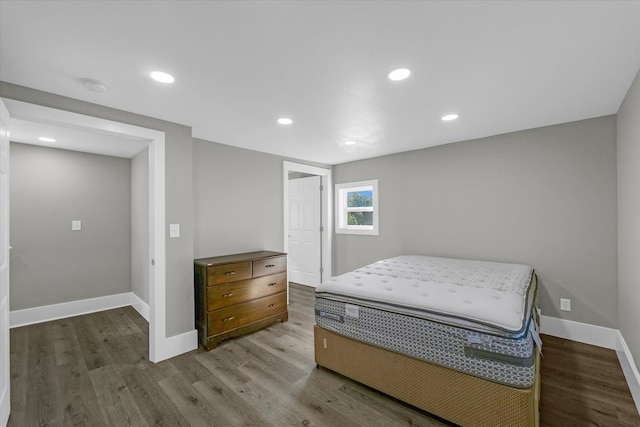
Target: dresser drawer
(245, 313)
(228, 272)
(263, 267)
(227, 294)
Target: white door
(305, 246)
(4, 265)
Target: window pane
(357, 207)
(357, 199)
(360, 218)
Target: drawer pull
(270, 265)
(229, 273)
(272, 305)
(271, 284)
(226, 319)
(227, 295)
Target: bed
(457, 338)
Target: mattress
(498, 348)
(491, 297)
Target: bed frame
(454, 396)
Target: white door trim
(157, 271)
(5, 373)
(161, 347)
(327, 209)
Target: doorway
(307, 222)
(305, 230)
(155, 140)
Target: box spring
(461, 398)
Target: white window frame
(341, 191)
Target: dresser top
(226, 259)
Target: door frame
(160, 348)
(5, 374)
(327, 210)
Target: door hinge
(321, 187)
(153, 261)
(321, 229)
(321, 270)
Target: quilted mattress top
(497, 295)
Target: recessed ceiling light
(350, 143)
(285, 121)
(46, 139)
(162, 77)
(449, 117)
(399, 74)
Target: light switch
(174, 230)
(76, 225)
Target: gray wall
(629, 219)
(238, 200)
(51, 264)
(140, 225)
(178, 194)
(545, 197)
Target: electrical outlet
(565, 304)
(174, 231)
(76, 225)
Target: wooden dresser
(238, 294)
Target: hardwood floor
(93, 370)
(583, 385)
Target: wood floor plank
(190, 368)
(153, 403)
(326, 386)
(95, 372)
(65, 342)
(78, 397)
(81, 411)
(94, 351)
(378, 401)
(44, 406)
(230, 371)
(118, 406)
(19, 359)
(140, 321)
(278, 380)
(583, 385)
(263, 364)
(191, 404)
(162, 370)
(281, 348)
(123, 322)
(233, 406)
(224, 365)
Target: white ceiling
(71, 131)
(239, 65)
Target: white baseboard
(581, 332)
(630, 369)
(29, 316)
(140, 306)
(179, 344)
(601, 337)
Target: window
(357, 207)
